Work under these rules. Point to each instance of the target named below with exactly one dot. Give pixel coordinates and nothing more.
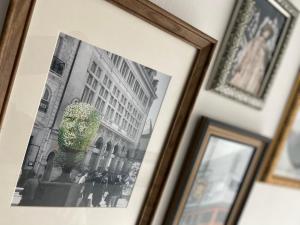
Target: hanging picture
(251, 50)
(217, 175)
(93, 108)
(282, 167)
(92, 129)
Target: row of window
(130, 78)
(117, 108)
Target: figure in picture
(30, 188)
(100, 187)
(248, 74)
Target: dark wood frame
(206, 128)
(156, 16)
(11, 43)
(275, 150)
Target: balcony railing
(57, 66)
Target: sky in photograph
(218, 147)
(163, 82)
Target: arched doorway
(99, 143)
(107, 155)
(115, 158)
(49, 166)
(96, 156)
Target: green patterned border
(228, 51)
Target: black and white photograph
(257, 48)
(217, 182)
(92, 128)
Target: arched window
(44, 104)
(116, 149)
(99, 143)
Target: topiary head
(78, 127)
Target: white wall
(268, 205)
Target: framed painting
(282, 164)
(251, 50)
(99, 110)
(217, 175)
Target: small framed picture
(283, 165)
(251, 50)
(217, 175)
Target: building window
(109, 113)
(57, 66)
(139, 117)
(136, 87)
(115, 59)
(93, 67)
(130, 79)
(124, 124)
(117, 119)
(145, 101)
(111, 99)
(105, 80)
(101, 108)
(87, 95)
(105, 94)
(44, 104)
(90, 97)
(134, 112)
(134, 132)
(95, 84)
(120, 108)
(124, 69)
(141, 94)
(97, 104)
(100, 105)
(98, 73)
(122, 99)
(109, 84)
(101, 91)
(114, 90)
(89, 79)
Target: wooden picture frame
(231, 76)
(279, 144)
(194, 169)
(159, 18)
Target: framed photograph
(95, 112)
(252, 47)
(217, 175)
(282, 165)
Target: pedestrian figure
(117, 189)
(100, 187)
(30, 188)
(87, 181)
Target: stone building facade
(121, 90)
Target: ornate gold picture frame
(281, 163)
